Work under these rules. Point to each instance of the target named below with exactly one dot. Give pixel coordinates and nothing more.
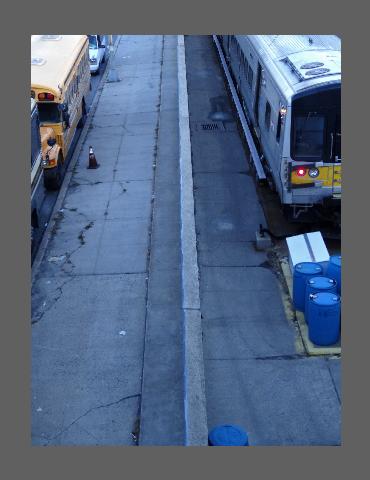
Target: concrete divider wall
(195, 400)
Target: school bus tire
(34, 218)
(52, 179)
(53, 176)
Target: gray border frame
(19, 457)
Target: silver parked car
(97, 52)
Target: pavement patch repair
(144, 333)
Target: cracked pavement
(98, 279)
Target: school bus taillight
(45, 96)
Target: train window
(278, 129)
(233, 42)
(250, 77)
(246, 66)
(308, 136)
(268, 115)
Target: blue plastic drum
(228, 436)
(334, 270)
(302, 272)
(324, 314)
(316, 285)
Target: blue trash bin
(302, 272)
(324, 315)
(334, 270)
(228, 436)
(316, 285)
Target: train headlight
(313, 172)
(283, 110)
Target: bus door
(68, 129)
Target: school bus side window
(35, 139)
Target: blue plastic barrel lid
(308, 267)
(325, 299)
(228, 436)
(336, 260)
(321, 282)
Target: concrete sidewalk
(106, 301)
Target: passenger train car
(290, 90)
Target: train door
(241, 71)
(228, 46)
(336, 153)
(258, 93)
(238, 66)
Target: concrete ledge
(263, 242)
(196, 430)
(195, 399)
(310, 347)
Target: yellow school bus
(36, 170)
(60, 83)
(36, 167)
(41, 147)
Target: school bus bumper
(51, 163)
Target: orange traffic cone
(92, 159)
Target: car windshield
(93, 42)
